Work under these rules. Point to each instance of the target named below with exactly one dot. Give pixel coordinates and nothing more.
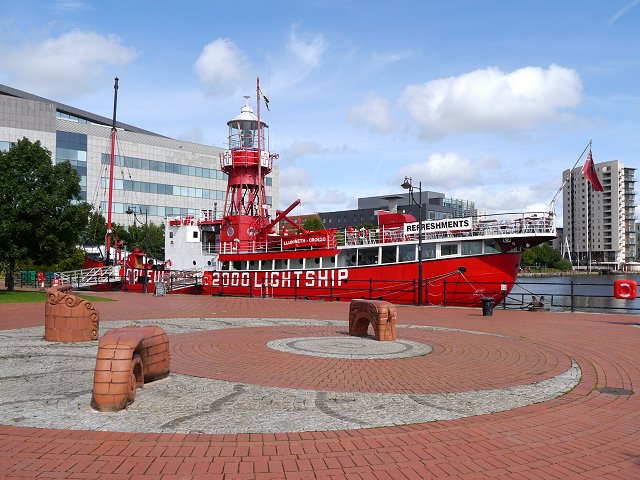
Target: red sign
(312, 239)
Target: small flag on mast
(266, 100)
(590, 173)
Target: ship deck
(182, 427)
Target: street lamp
(408, 186)
(146, 242)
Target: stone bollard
(381, 315)
(68, 318)
(128, 358)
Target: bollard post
(572, 306)
(444, 292)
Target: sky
(484, 100)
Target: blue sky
(483, 100)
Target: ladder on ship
(90, 276)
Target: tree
(545, 256)
(39, 219)
(312, 224)
(135, 236)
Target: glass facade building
(162, 176)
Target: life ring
(625, 289)
(168, 262)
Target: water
(593, 293)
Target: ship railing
(506, 225)
(272, 245)
(89, 276)
(180, 279)
(444, 291)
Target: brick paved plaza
(268, 389)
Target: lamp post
(146, 242)
(407, 185)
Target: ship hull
(462, 281)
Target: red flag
(590, 173)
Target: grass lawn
(24, 297)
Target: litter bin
(487, 306)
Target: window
(347, 258)
(448, 249)
(406, 253)
(471, 248)
(491, 246)
(428, 251)
(389, 254)
(328, 262)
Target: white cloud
(373, 113)
(308, 51)
(301, 149)
(441, 171)
(501, 198)
(302, 55)
(221, 67)
(490, 100)
(66, 66)
(295, 182)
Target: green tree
(546, 257)
(135, 236)
(96, 231)
(312, 224)
(39, 219)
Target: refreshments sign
(444, 225)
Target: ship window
(313, 263)
(428, 251)
(253, 264)
(389, 254)
(281, 264)
(328, 262)
(368, 256)
(195, 234)
(471, 248)
(347, 258)
(267, 265)
(406, 253)
(491, 246)
(170, 234)
(448, 249)
(238, 265)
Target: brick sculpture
(68, 318)
(128, 358)
(381, 315)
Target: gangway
(90, 276)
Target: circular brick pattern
(350, 348)
(461, 361)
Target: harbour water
(592, 293)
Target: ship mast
(111, 165)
